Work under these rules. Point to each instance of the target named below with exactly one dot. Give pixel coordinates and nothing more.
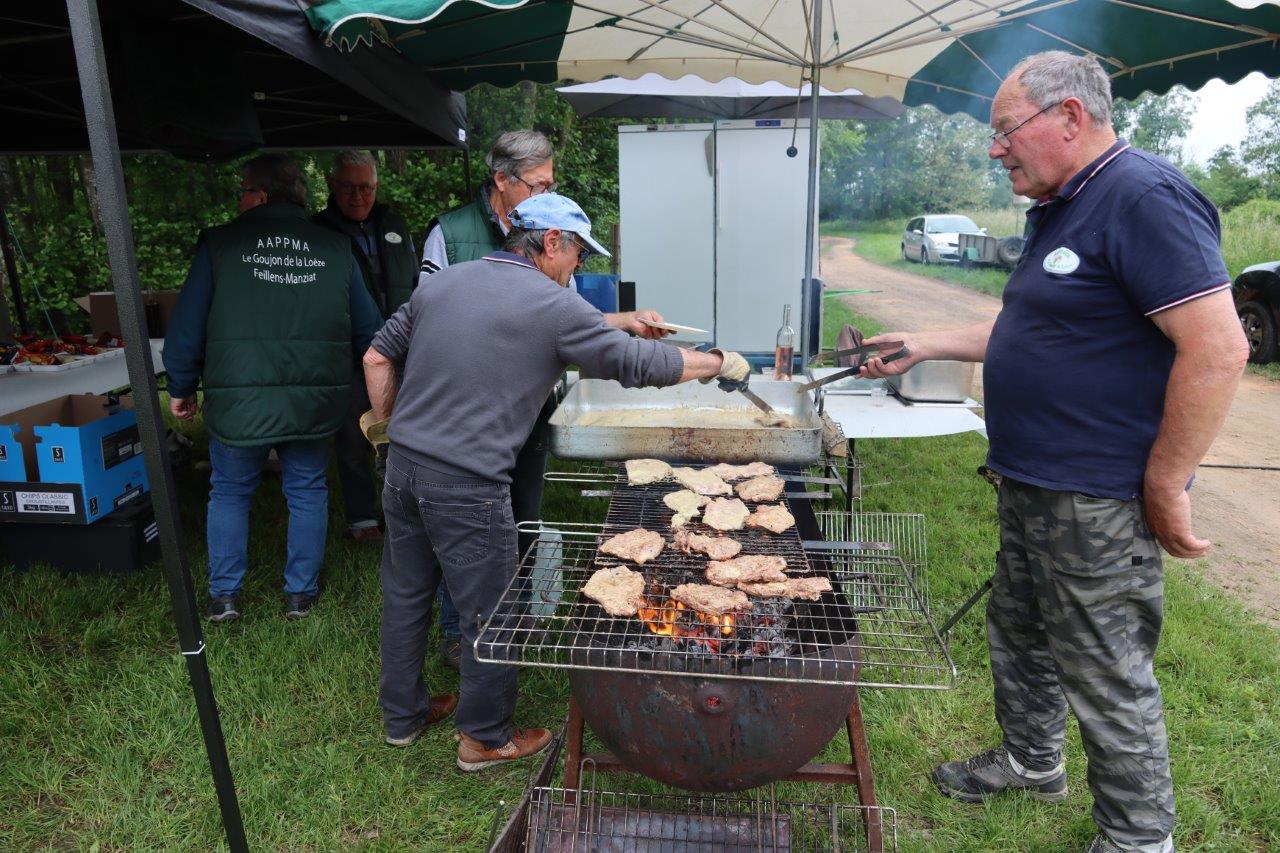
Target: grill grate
(592, 821)
(873, 629)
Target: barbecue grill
(716, 705)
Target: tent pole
(811, 300)
(91, 64)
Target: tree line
(921, 162)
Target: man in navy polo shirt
(1108, 372)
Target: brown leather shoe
(442, 707)
(524, 742)
(367, 535)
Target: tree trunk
(529, 98)
(396, 159)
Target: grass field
(100, 749)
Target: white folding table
(20, 390)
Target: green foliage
(1262, 146)
(1226, 181)
(1251, 234)
(1155, 123)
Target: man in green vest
(267, 322)
(521, 165)
(383, 249)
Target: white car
(931, 239)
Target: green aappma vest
(399, 262)
(470, 232)
(278, 339)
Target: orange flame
(662, 617)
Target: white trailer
(712, 225)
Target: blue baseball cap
(552, 210)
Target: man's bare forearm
(1201, 386)
(380, 380)
(699, 365)
(968, 343)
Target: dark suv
(1257, 295)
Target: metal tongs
(729, 386)
(861, 354)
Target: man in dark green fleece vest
(267, 321)
(383, 249)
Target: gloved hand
(374, 430)
(734, 371)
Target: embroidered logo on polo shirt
(393, 237)
(1061, 260)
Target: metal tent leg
(91, 63)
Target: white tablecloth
(19, 390)
(860, 417)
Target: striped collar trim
(1118, 148)
(510, 258)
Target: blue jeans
(235, 477)
(448, 615)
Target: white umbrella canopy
(654, 96)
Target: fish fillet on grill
(714, 600)
(810, 589)
(773, 517)
(686, 505)
(642, 472)
(702, 482)
(715, 547)
(754, 568)
(637, 546)
(725, 471)
(725, 514)
(618, 590)
(767, 488)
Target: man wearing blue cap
(480, 350)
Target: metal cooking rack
(874, 629)
(595, 821)
(829, 477)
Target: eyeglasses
(362, 189)
(540, 187)
(1001, 137)
(584, 252)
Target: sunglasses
(584, 251)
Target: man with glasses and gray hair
(1108, 372)
(521, 166)
(383, 249)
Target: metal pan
(599, 419)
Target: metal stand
(857, 772)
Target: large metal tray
(679, 424)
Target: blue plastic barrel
(600, 289)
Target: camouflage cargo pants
(1073, 620)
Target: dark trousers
(527, 477)
(1073, 621)
(355, 459)
(442, 527)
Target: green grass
(885, 248)
(1266, 371)
(99, 744)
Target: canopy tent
(654, 96)
(59, 92)
(948, 53)
(215, 78)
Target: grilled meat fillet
(715, 547)
(767, 488)
(637, 546)
(725, 514)
(750, 569)
(713, 600)
(702, 482)
(618, 590)
(686, 505)
(642, 472)
(772, 517)
(810, 588)
(728, 472)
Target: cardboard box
(70, 460)
(101, 305)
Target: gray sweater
(481, 345)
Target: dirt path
(1239, 510)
